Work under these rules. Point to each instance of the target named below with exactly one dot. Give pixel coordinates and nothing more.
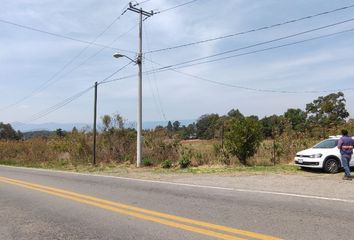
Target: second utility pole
(94, 125)
(139, 61)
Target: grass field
(202, 153)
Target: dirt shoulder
(313, 183)
(282, 179)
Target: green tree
(297, 118)
(272, 126)
(169, 126)
(235, 113)
(159, 127)
(328, 110)
(207, 125)
(59, 132)
(74, 130)
(176, 125)
(189, 131)
(8, 133)
(243, 138)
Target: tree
(169, 126)
(74, 131)
(106, 121)
(188, 132)
(59, 132)
(8, 133)
(328, 110)
(119, 121)
(297, 118)
(206, 126)
(176, 125)
(159, 127)
(243, 138)
(235, 113)
(272, 125)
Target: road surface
(37, 204)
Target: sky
(295, 74)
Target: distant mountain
(33, 134)
(52, 126)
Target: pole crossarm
(139, 10)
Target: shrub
(147, 162)
(243, 138)
(184, 163)
(159, 146)
(166, 164)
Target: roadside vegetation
(231, 142)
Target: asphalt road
(37, 204)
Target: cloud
(28, 59)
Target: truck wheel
(331, 165)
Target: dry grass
(75, 151)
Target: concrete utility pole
(94, 125)
(139, 61)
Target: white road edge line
(191, 185)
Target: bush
(147, 162)
(166, 164)
(158, 145)
(243, 138)
(185, 161)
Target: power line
(68, 100)
(168, 68)
(53, 79)
(262, 43)
(50, 80)
(265, 49)
(60, 35)
(95, 54)
(140, 3)
(253, 30)
(162, 69)
(121, 78)
(157, 99)
(254, 89)
(58, 105)
(174, 7)
(114, 73)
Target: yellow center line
(117, 207)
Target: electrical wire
(68, 100)
(266, 49)
(54, 78)
(121, 78)
(140, 3)
(262, 43)
(57, 106)
(252, 30)
(259, 89)
(170, 67)
(157, 99)
(61, 36)
(162, 69)
(174, 7)
(114, 73)
(72, 98)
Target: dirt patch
(313, 183)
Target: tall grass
(118, 146)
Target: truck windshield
(329, 143)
